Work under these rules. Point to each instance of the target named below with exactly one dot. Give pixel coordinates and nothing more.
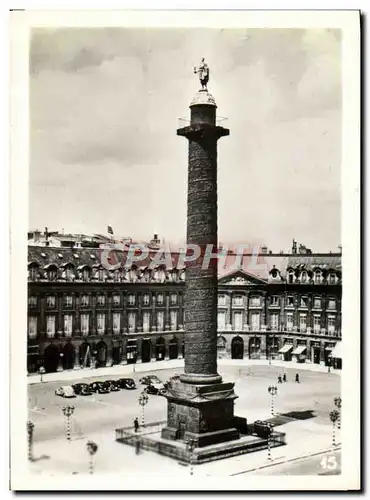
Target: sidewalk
(128, 370)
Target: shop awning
(286, 348)
(299, 349)
(337, 351)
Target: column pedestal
(202, 412)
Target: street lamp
(143, 400)
(190, 446)
(92, 448)
(334, 415)
(41, 372)
(269, 442)
(338, 404)
(30, 427)
(61, 356)
(68, 412)
(273, 391)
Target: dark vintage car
(126, 383)
(111, 385)
(99, 387)
(82, 389)
(150, 379)
(262, 429)
(157, 389)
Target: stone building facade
(81, 314)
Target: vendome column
(200, 405)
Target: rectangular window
(290, 301)
(274, 321)
(84, 300)
(331, 304)
(116, 300)
(302, 322)
(101, 300)
(173, 299)
(238, 320)
(32, 327)
(100, 323)
(274, 300)
(255, 301)
(50, 301)
(331, 324)
(67, 325)
(32, 301)
(289, 321)
(50, 326)
(316, 323)
(116, 322)
(131, 321)
(160, 299)
(146, 299)
(84, 324)
(173, 319)
(317, 303)
(146, 321)
(160, 320)
(238, 300)
(221, 320)
(255, 321)
(68, 301)
(304, 302)
(131, 299)
(222, 300)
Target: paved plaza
(302, 412)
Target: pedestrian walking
(136, 424)
(284, 377)
(280, 381)
(297, 377)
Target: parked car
(111, 385)
(66, 391)
(262, 429)
(158, 389)
(126, 383)
(150, 379)
(99, 387)
(82, 389)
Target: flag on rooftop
(110, 230)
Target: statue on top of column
(203, 71)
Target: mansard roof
(257, 267)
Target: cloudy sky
(104, 105)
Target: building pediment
(240, 278)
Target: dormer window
(51, 273)
(43, 255)
(332, 279)
(86, 273)
(318, 276)
(92, 256)
(76, 256)
(33, 272)
(304, 277)
(274, 273)
(60, 255)
(291, 276)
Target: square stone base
(204, 413)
